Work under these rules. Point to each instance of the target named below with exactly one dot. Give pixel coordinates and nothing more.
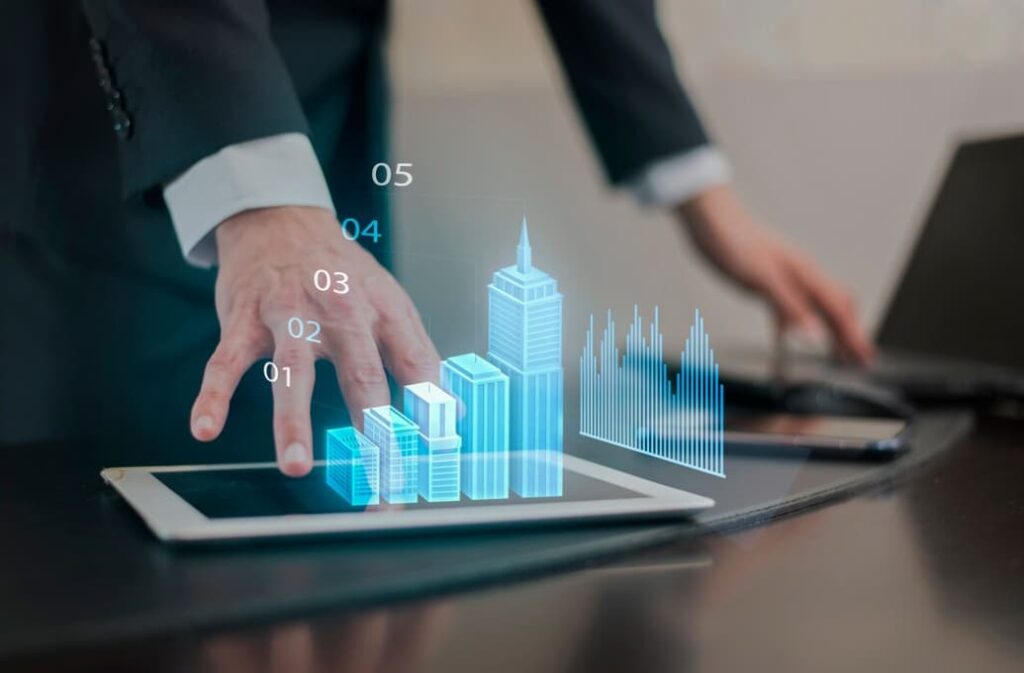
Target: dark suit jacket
(102, 325)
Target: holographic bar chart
(494, 425)
(630, 401)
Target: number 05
(382, 176)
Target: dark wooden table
(926, 574)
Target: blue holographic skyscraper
(525, 342)
(353, 466)
(483, 425)
(397, 438)
(433, 410)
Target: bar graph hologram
(493, 426)
(630, 400)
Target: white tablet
(194, 503)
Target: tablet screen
(255, 492)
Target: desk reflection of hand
(268, 301)
(385, 641)
(799, 292)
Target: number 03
(323, 282)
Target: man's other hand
(801, 295)
(293, 288)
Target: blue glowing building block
(525, 342)
(353, 466)
(397, 437)
(482, 391)
(433, 410)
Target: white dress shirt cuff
(676, 179)
(280, 170)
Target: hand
(800, 294)
(268, 258)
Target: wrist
(273, 228)
(707, 206)
(707, 215)
(276, 170)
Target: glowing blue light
(633, 404)
(397, 438)
(482, 423)
(353, 466)
(525, 342)
(433, 410)
(505, 411)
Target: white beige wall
(483, 44)
(837, 115)
(788, 37)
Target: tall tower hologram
(525, 342)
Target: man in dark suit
(228, 129)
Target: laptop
(954, 328)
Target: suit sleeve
(620, 71)
(186, 78)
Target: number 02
(297, 329)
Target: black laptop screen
(962, 293)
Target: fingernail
(202, 424)
(295, 453)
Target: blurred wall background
(838, 117)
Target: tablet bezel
(173, 519)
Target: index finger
(293, 394)
(839, 312)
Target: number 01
(271, 374)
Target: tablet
(196, 503)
